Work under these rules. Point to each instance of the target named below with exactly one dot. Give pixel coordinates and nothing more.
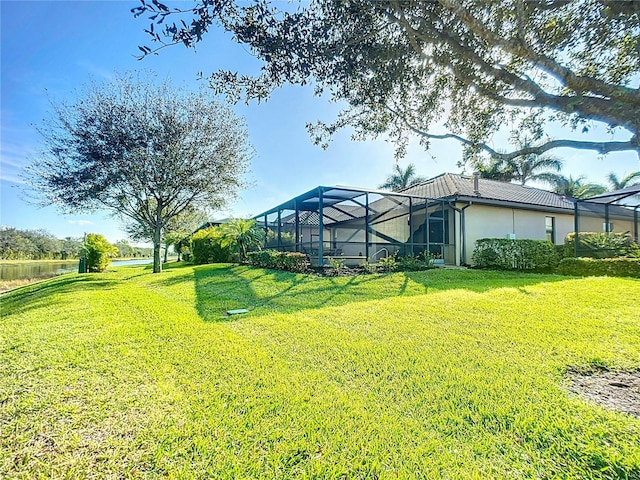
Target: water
(19, 271)
(135, 261)
(24, 270)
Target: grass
(437, 374)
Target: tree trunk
(166, 251)
(157, 243)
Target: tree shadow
(222, 288)
(41, 294)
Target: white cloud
(80, 222)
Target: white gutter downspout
(463, 243)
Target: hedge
(289, 261)
(521, 254)
(613, 267)
(206, 247)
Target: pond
(25, 270)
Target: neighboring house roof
(629, 196)
(461, 187)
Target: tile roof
(454, 186)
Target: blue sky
(49, 49)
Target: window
(550, 227)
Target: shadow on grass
(41, 294)
(220, 288)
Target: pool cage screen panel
(607, 216)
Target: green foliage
(124, 248)
(98, 252)
(452, 374)
(521, 169)
(401, 178)
(412, 263)
(613, 267)
(600, 244)
(16, 244)
(520, 254)
(404, 67)
(286, 239)
(287, 261)
(629, 180)
(387, 264)
(575, 187)
(143, 150)
(368, 267)
(242, 235)
(337, 265)
(209, 246)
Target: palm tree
(574, 187)
(494, 169)
(534, 167)
(617, 184)
(521, 169)
(242, 234)
(401, 179)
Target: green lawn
(438, 374)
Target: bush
(337, 265)
(98, 252)
(413, 264)
(523, 254)
(387, 264)
(207, 246)
(613, 267)
(600, 245)
(289, 261)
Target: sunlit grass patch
(433, 374)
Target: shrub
(413, 264)
(600, 245)
(368, 267)
(613, 267)
(387, 264)
(337, 265)
(207, 246)
(523, 254)
(289, 261)
(98, 252)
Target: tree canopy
(402, 67)
(142, 150)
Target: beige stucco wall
(591, 224)
(482, 221)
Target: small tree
(98, 252)
(145, 152)
(241, 235)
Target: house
(444, 216)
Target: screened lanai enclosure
(357, 226)
(611, 212)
